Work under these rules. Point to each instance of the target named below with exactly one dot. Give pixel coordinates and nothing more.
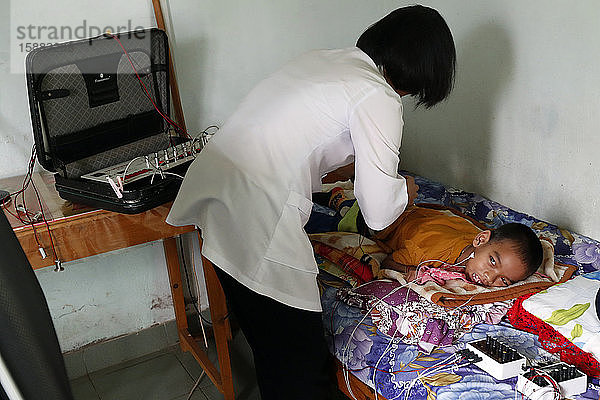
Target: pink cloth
(440, 274)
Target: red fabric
(361, 271)
(551, 339)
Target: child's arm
(409, 271)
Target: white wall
(520, 126)
(108, 295)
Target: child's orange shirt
(422, 234)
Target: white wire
(463, 304)
(434, 368)
(347, 346)
(195, 385)
(204, 136)
(172, 173)
(458, 264)
(380, 358)
(198, 293)
(127, 167)
(418, 377)
(431, 370)
(154, 172)
(8, 383)
(162, 173)
(346, 371)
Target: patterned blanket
(396, 369)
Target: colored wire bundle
(26, 217)
(430, 371)
(543, 390)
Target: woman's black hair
(413, 47)
(525, 242)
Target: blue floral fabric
(399, 371)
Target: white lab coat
(249, 190)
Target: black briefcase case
(100, 116)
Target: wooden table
(79, 231)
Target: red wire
(7, 209)
(169, 120)
(45, 220)
(29, 179)
(26, 182)
(27, 213)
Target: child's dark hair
(414, 48)
(525, 242)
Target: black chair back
(28, 343)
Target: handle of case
(55, 94)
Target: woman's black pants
(290, 354)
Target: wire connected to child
(450, 362)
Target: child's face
(495, 264)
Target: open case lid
(93, 102)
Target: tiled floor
(167, 375)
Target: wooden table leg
(221, 328)
(222, 378)
(172, 258)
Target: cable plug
(58, 265)
(42, 252)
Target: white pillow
(571, 309)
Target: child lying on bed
(428, 244)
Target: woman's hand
(340, 175)
(412, 188)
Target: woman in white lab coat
(249, 191)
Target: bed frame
(359, 389)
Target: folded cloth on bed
(360, 269)
(335, 270)
(351, 244)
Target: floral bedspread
(400, 371)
